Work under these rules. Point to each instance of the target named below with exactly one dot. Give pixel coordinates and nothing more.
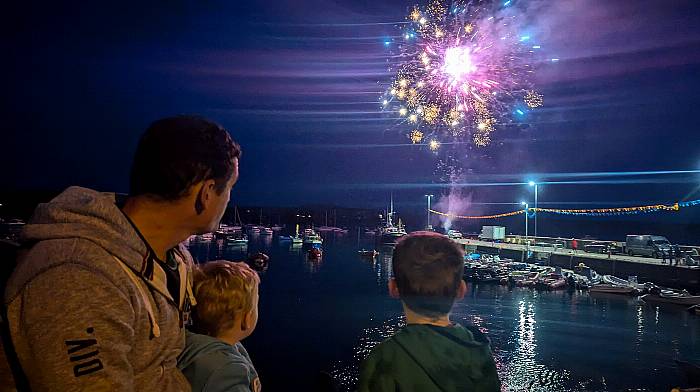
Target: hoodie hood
(90, 215)
(447, 354)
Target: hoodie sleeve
(373, 375)
(80, 342)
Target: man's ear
(204, 196)
(461, 290)
(393, 289)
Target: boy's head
(227, 299)
(428, 270)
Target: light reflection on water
(542, 341)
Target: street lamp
(534, 184)
(429, 226)
(527, 211)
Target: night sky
(297, 85)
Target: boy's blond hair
(224, 290)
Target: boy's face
(252, 315)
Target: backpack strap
(155, 329)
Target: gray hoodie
(86, 308)
(212, 365)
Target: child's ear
(247, 319)
(393, 289)
(461, 290)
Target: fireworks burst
(416, 136)
(462, 70)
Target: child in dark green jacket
(431, 353)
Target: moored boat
(368, 254)
(675, 298)
(612, 289)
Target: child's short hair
(223, 290)
(428, 269)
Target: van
(647, 245)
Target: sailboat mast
(391, 209)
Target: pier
(646, 269)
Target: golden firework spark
(469, 28)
(431, 113)
(403, 111)
(415, 14)
(452, 117)
(533, 99)
(412, 99)
(416, 136)
(434, 145)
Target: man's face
(217, 207)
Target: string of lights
(675, 207)
(478, 217)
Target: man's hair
(428, 269)
(177, 152)
(223, 290)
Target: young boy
(430, 353)
(226, 313)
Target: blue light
(387, 43)
(536, 47)
(555, 60)
(507, 3)
(524, 38)
(520, 112)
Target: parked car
(454, 234)
(647, 245)
(602, 247)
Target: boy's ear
(246, 320)
(461, 290)
(393, 289)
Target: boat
(312, 238)
(630, 282)
(237, 239)
(695, 309)
(612, 289)
(315, 254)
(223, 231)
(266, 231)
(254, 230)
(551, 281)
(369, 254)
(672, 297)
(207, 237)
(390, 233)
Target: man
(100, 299)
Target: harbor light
(531, 183)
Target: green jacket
(428, 358)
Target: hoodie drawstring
(155, 329)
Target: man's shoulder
(58, 255)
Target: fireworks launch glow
(463, 70)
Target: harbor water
(325, 316)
